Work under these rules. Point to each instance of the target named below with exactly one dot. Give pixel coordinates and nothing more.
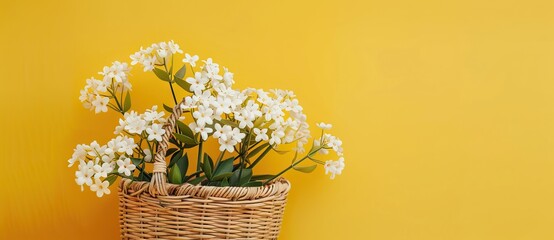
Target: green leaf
(168, 108)
(183, 84)
(176, 156)
(252, 184)
(244, 178)
(261, 177)
(181, 72)
(197, 180)
(224, 182)
(256, 150)
(137, 161)
(161, 74)
(225, 166)
(175, 175)
(172, 140)
(170, 151)
(307, 169)
(207, 166)
(144, 176)
(279, 151)
(185, 139)
(111, 179)
(171, 68)
(228, 122)
(185, 129)
(222, 176)
(127, 104)
(183, 164)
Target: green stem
(170, 84)
(219, 159)
(199, 157)
(266, 151)
(292, 165)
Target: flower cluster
(155, 55)
(97, 93)
(97, 162)
(247, 123)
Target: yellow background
(445, 108)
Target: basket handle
(159, 178)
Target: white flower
(155, 132)
(134, 123)
(227, 144)
(79, 154)
(261, 134)
(222, 132)
(212, 70)
(292, 105)
(95, 150)
(236, 135)
(127, 145)
(276, 137)
(228, 78)
(324, 126)
(125, 166)
(317, 144)
(84, 174)
(333, 142)
(153, 115)
(190, 59)
(147, 155)
(203, 115)
(174, 47)
(100, 104)
(334, 167)
(102, 170)
(203, 130)
(100, 187)
(197, 83)
(117, 71)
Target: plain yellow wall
(445, 108)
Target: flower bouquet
(171, 187)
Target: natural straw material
(161, 210)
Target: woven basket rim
(277, 187)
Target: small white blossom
(197, 83)
(323, 151)
(261, 134)
(152, 115)
(227, 144)
(228, 78)
(190, 59)
(134, 123)
(222, 131)
(79, 154)
(203, 130)
(324, 126)
(102, 170)
(155, 132)
(100, 187)
(276, 137)
(84, 174)
(127, 145)
(147, 155)
(174, 47)
(236, 135)
(126, 167)
(100, 104)
(334, 167)
(203, 115)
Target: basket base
(202, 212)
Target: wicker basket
(161, 210)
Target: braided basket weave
(161, 210)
